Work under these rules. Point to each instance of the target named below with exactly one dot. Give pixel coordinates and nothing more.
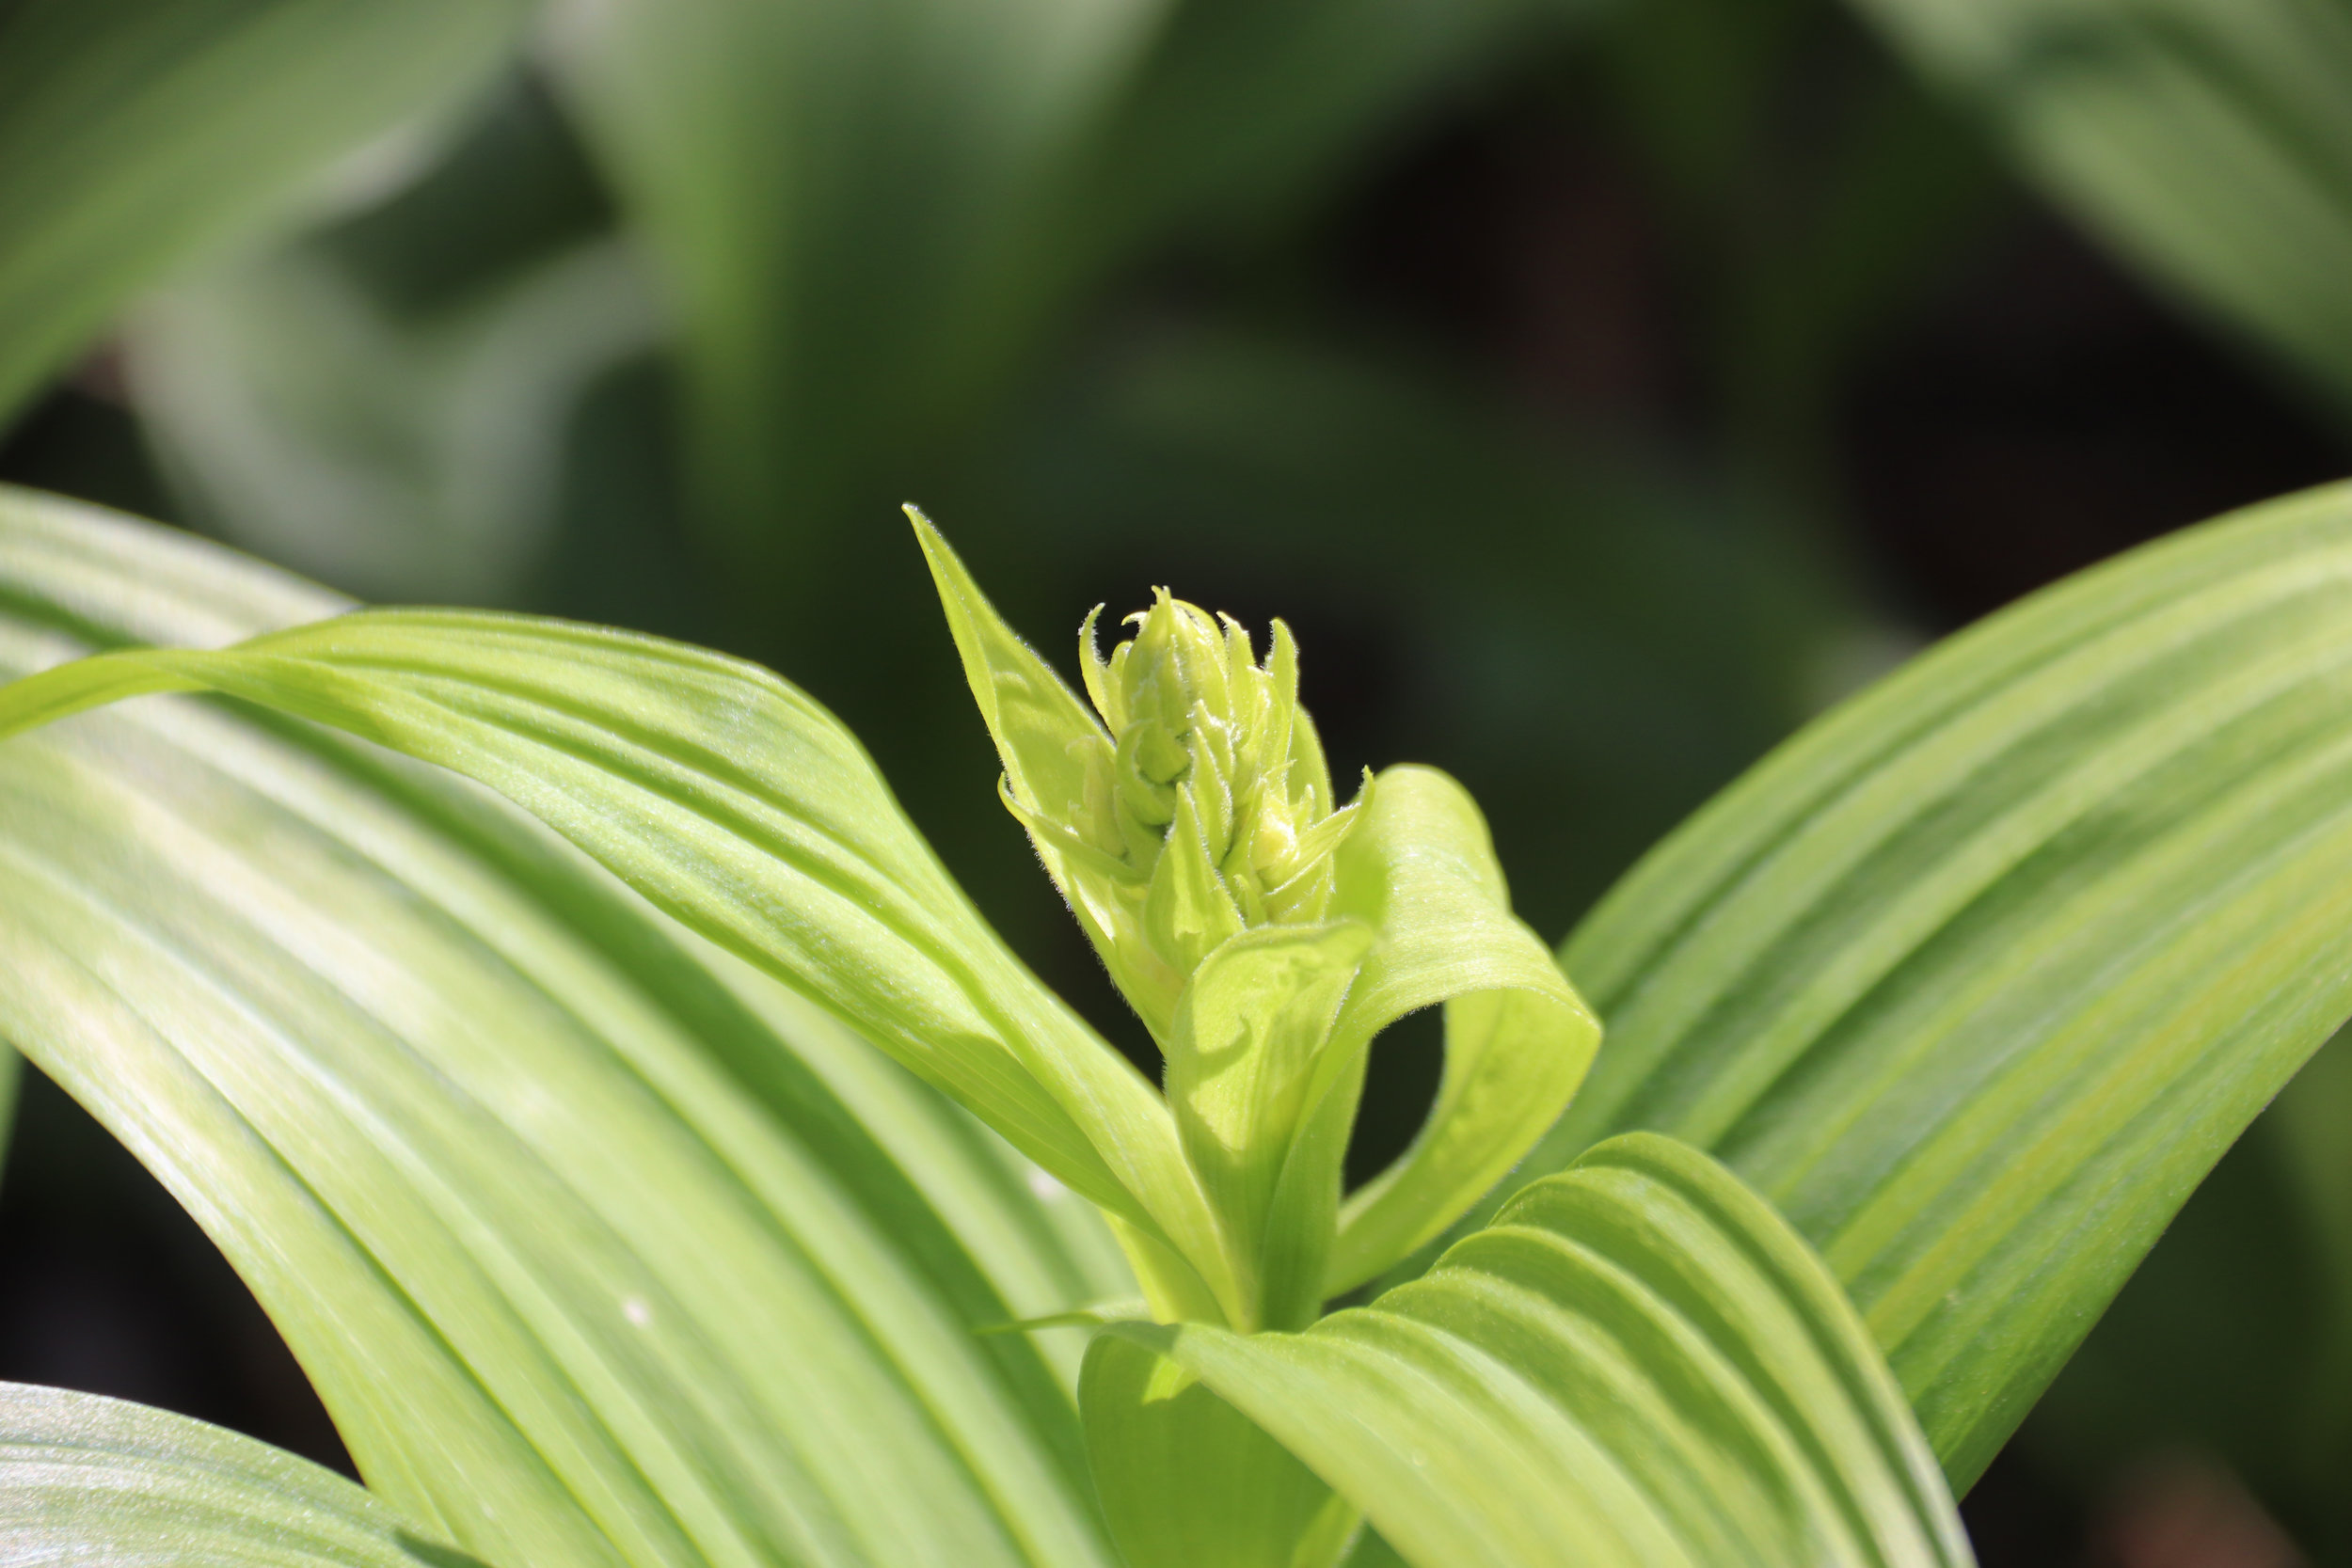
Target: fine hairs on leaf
(654, 1159)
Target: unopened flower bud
(1197, 807)
(1209, 803)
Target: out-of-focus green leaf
(837, 195)
(738, 806)
(2209, 140)
(414, 460)
(1243, 115)
(136, 133)
(392, 399)
(1638, 1362)
(1978, 976)
(2311, 1128)
(873, 216)
(599, 1246)
(85, 1479)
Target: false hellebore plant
(565, 1162)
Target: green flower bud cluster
(1266, 936)
(1207, 806)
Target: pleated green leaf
(1976, 977)
(738, 806)
(2209, 140)
(601, 1246)
(1637, 1363)
(136, 133)
(1038, 724)
(86, 1478)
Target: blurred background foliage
(1598, 387)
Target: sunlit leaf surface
(1976, 977)
(1185, 1479)
(737, 804)
(85, 1479)
(599, 1246)
(1638, 1363)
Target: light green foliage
(1977, 977)
(136, 133)
(1265, 938)
(1421, 872)
(590, 1233)
(1255, 1021)
(591, 1238)
(566, 1161)
(2209, 141)
(587, 1233)
(1638, 1362)
(741, 808)
(84, 1477)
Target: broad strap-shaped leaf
(87, 1479)
(1637, 1363)
(1976, 977)
(2209, 140)
(601, 1246)
(738, 806)
(136, 133)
